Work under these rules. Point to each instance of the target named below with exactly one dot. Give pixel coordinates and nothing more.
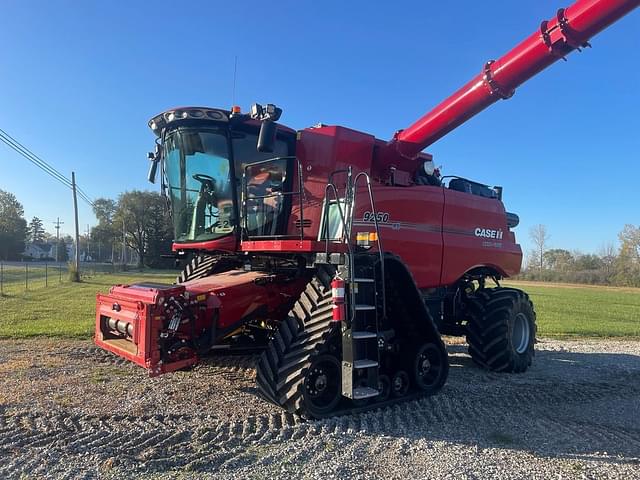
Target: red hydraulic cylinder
(570, 29)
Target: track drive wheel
(300, 370)
(502, 329)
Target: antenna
(233, 91)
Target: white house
(39, 251)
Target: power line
(33, 158)
(24, 152)
(41, 164)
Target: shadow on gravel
(567, 405)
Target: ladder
(365, 295)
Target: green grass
(68, 309)
(576, 310)
(63, 310)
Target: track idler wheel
(399, 384)
(429, 368)
(322, 385)
(384, 385)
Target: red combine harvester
(343, 256)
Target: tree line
(610, 266)
(135, 226)
(137, 220)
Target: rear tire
(501, 332)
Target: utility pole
(76, 274)
(57, 223)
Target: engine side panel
(410, 223)
(475, 234)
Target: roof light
(236, 109)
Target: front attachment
(156, 326)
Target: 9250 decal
(382, 217)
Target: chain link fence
(19, 277)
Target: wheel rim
(520, 333)
(400, 383)
(428, 366)
(322, 384)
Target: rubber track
(198, 267)
(282, 366)
(487, 331)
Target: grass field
(65, 310)
(584, 310)
(68, 310)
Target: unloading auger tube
(570, 29)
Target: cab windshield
(200, 189)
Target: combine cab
(341, 256)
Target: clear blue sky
(79, 81)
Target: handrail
(377, 227)
(351, 190)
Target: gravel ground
(69, 410)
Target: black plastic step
(365, 363)
(364, 392)
(363, 307)
(363, 335)
(363, 280)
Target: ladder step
(365, 364)
(364, 392)
(363, 335)
(362, 307)
(363, 280)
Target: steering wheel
(202, 178)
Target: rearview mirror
(267, 136)
(153, 169)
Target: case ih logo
(488, 233)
